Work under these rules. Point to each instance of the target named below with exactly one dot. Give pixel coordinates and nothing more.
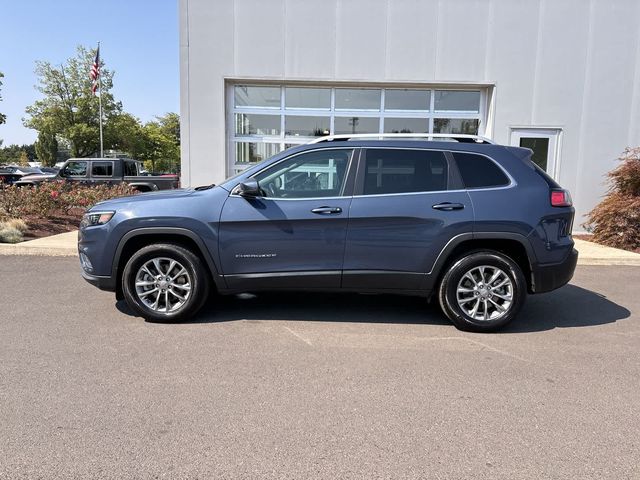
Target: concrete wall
(572, 64)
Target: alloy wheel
(485, 293)
(163, 284)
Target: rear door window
(478, 171)
(102, 169)
(130, 169)
(392, 170)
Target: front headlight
(91, 219)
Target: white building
(559, 76)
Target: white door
(545, 143)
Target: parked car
(10, 174)
(474, 225)
(111, 171)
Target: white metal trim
(382, 136)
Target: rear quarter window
(478, 171)
(545, 176)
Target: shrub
(616, 220)
(9, 234)
(12, 201)
(51, 198)
(17, 223)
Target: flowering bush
(51, 198)
(616, 220)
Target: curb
(17, 249)
(631, 262)
(61, 245)
(590, 253)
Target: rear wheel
(165, 283)
(482, 291)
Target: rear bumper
(103, 283)
(550, 277)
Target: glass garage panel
(253, 96)
(252, 152)
(303, 97)
(456, 125)
(256, 124)
(298, 125)
(356, 125)
(406, 125)
(265, 118)
(358, 99)
(407, 99)
(457, 101)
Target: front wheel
(165, 283)
(482, 291)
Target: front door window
(308, 175)
(75, 169)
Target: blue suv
(473, 224)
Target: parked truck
(111, 171)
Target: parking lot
(316, 385)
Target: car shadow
(570, 306)
(567, 307)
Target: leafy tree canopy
(162, 143)
(11, 154)
(69, 109)
(47, 148)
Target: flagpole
(100, 106)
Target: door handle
(448, 206)
(327, 210)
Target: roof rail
(381, 136)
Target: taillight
(560, 198)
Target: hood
(143, 197)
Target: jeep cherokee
(472, 224)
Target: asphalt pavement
(316, 385)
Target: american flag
(95, 71)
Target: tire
(464, 288)
(152, 268)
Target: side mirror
(249, 189)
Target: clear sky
(139, 42)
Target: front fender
(173, 231)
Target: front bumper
(550, 277)
(103, 283)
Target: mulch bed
(44, 227)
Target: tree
(47, 148)
(3, 117)
(616, 220)
(12, 153)
(161, 143)
(170, 125)
(69, 109)
(23, 159)
(124, 133)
